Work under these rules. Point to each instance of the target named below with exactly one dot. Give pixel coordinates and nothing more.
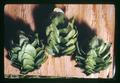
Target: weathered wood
(98, 17)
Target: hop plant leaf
(61, 35)
(27, 53)
(96, 59)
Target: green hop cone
(27, 53)
(96, 59)
(61, 34)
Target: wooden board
(99, 17)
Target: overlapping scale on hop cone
(27, 52)
(61, 34)
(97, 58)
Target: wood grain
(99, 17)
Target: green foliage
(97, 58)
(27, 53)
(61, 35)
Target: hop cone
(97, 58)
(27, 52)
(61, 34)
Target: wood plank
(97, 16)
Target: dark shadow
(85, 33)
(84, 36)
(11, 27)
(41, 14)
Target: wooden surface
(98, 17)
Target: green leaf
(27, 56)
(76, 34)
(28, 62)
(79, 57)
(39, 49)
(55, 30)
(92, 52)
(49, 29)
(101, 47)
(106, 48)
(16, 49)
(63, 40)
(63, 31)
(35, 42)
(50, 50)
(30, 50)
(70, 34)
(94, 42)
(69, 49)
(52, 37)
(70, 52)
(39, 55)
(41, 61)
(71, 41)
(54, 47)
(26, 69)
(20, 54)
(59, 18)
